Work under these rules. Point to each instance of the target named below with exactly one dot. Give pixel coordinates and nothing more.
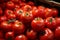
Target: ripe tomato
(55, 12)
(37, 24)
(31, 34)
(16, 6)
(26, 17)
(48, 35)
(18, 27)
(27, 8)
(1, 34)
(19, 12)
(50, 22)
(30, 3)
(2, 39)
(9, 35)
(10, 5)
(57, 33)
(22, 4)
(15, 1)
(5, 26)
(21, 37)
(1, 12)
(10, 14)
(3, 18)
(58, 21)
(48, 12)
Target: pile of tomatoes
(22, 20)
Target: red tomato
(21, 37)
(5, 26)
(27, 8)
(19, 12)
(1, 12)
(18, 27)
(58, 21)
(22, 4)
(1, 34)
(10, 5)
(9, 35)
(16, 6)
(2, 39)
(15, 1)
(10, 14)
(55, 12)
(31, 34)
(48, 35)
(30, 3)
(48, 12)
(50, 22)
(37, 24)
(26, 17)
(3, 18)
(57, 33)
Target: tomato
(57, 33)
(37, 24)
(31, 34)
(30, 3)
(10, 14)
(26, 17)
(58, 21)
(3, 18)
(27, 8)
(55, 12)
(9, 35)
(22, 4)
(48, 35)
(50, 22)
(16, 6)
(10, 5)
(1, 34)
(47, 12)
(19, 12)
(2, 39)
(5, 26)
(1, 11)
(21, 37)
(18, 27)
(15, 1)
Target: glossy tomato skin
(50, 22)
(18, 27)
(31, 34)
(10, 5)
(55, 12)
(5, 26)
(26, 17)
(2, 39)
(27, 8)
(19, 12)
(10, 14)
(9, 35)
(48, 35)
(3, 18)
(37, 24)
(21, 37)
(15, 1)
(1, 12)
(21, 4)
(47, 12)
(57, 33)
(58, 21)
